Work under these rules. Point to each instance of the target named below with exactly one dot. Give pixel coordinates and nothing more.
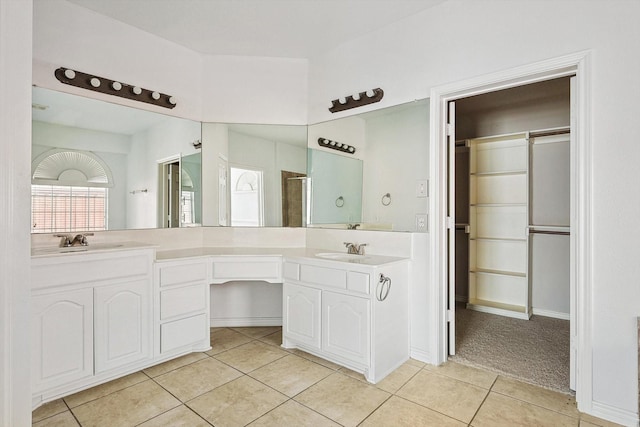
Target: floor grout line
(340, 370)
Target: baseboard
(613, 414)
(549, 313)
(245, 322)
(420, 355)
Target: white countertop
(321, 255)
(90, 248)
(326, 255)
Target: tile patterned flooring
(247, 379)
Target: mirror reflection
(260, 174)
(101, 166)
(336, 188)
(390, 163)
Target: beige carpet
(535, 351)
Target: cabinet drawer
(181, 301)
(183, 273)
(183, 332)
(267, 270)
(323, 276)
(358, 282)
(291, 271)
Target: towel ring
(386, 199)
(340, 202)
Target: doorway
(293, 199)
(512, 232)
(442, 223)
(170, 178)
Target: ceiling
(273, 28)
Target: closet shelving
(499, 215)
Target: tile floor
(247, 379)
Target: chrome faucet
(354, 248)
(78, 240)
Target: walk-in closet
(512, 232)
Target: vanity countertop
(321, 255)
(56, 251)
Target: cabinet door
(346, 326)
(301, 314)
(122, 324)
(62, 338)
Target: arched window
(69, 191)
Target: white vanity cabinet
(301, 315)
(122, 323)
(182, 319)
(91, 319)
(345, 313)
(62, 338)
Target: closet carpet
(535, 351)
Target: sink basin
(74, 249)
(337, 256)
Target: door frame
(163, 198)
(577, 64)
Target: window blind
(56, 208)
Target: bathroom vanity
(350, 309)
(105, 311)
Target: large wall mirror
(257, 176)
(278, 175)
(379, 185)
(102, 166)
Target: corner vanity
(105, 311)
(350, 309)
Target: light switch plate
(422, 188)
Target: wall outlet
(421, 222)
(422, 188)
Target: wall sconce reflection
(335, 145)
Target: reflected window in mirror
(68, 209)
(247, 195)
(129, 141)
(279, 152)
(69, 192)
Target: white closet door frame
(577, 64)
(451, 224)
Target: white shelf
(508, 310)
(499, 216)
(499, 272)
(499, 173)
(496, 205)
(498, 239)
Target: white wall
(254, 90)
(66, 35)
(15, 183)
(459, 40)
(215, 147)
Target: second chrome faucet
(355, 248)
